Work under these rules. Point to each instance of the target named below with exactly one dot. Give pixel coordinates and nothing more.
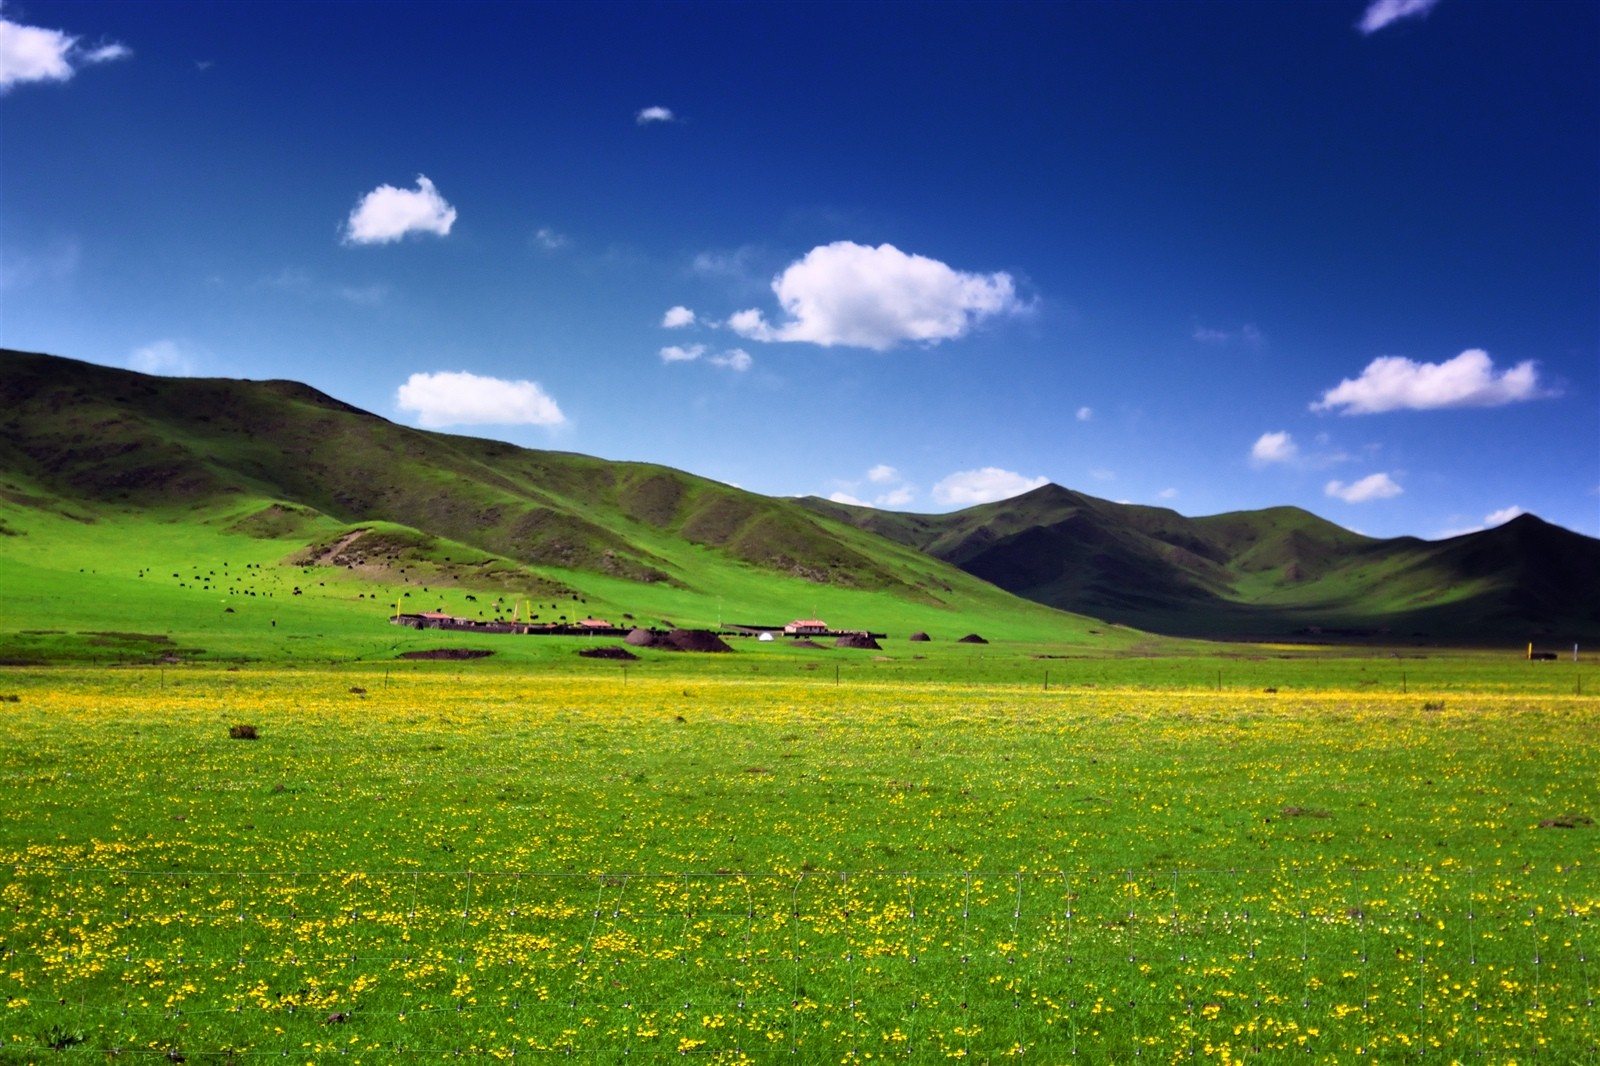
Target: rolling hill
(94, 456)
(102, 464)
(1267, 574)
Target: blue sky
(1209, 256)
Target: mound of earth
(610, 651)
(696, 640)
(919, 636)
(640, 637)
(446, 653)
(806, 644)
(972, 638)
(857, 640)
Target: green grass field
(1076, 842)
(736, 858)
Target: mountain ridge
(78, 437)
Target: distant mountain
(1267, 574)
(279, 459)
(277, 456)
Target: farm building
(806, 627)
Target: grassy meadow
(1075, 842)
(739, 859)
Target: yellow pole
(1530, 651)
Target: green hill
(131, 503)
(108, 470)
(1267, 574)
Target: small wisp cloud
(1395, 383)
(387, 214)
(33, 53)
(1381, 13)
(864, 297)
(459, 398)
(735, 359)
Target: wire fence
(1279, 964)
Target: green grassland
(418, 863)
(1077, 841)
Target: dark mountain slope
(1263, 574)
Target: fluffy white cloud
(882, 474)
(1371, 487)
(386, 214)
(677, 353)
(1167, 494)
(654, 114)
(968, 487)
(458, 398)
(1381, 13)
(851, 294)
(677, 317)
(1274, 448)
(33, 53)
(734, 359)
(846, 498)
(1395, 383)
(164, 357)
(1085, 414)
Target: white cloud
(1085, 414)
(1381, 13)
(1490, 520)
(1167, 494)
(386, 214)
(164, 357)
(1395, 383)
(654, 114)
(677, 317)
(968, 487)
(894, 490)
(675, 353)
(1274, 448)
(33, 53)
(107, 53)
(863, 297)
(734, 359)
(1371, 487)
(1100, 473)
(458, 398)
(897, 497)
